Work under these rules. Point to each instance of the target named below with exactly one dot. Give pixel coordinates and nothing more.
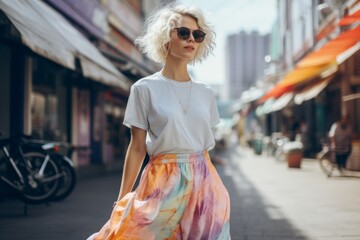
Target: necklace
(184, 109)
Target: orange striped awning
(319, 61)
(275, 92)
(301, 75)
(329, 52)
(350, 19)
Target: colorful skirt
(180, 196)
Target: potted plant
(293, 154)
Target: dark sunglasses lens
(183, 33)
(199, 36)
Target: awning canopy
(321, 63)
(282, 101)
(276, 92)
(299, 75)
(265, 108)
(330, 52)
(84, 13)
(49, 34)
(250, 95)
(311, 91)
(350, 19)
(325, 59)
(327, 54)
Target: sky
(230, 17)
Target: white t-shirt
(154, 106)
(342, 137)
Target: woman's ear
(167, 48)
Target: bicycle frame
(39, 175)
(17, 171)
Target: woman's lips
(190, 48)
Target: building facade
(245, 62)
(316, 77)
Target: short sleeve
(214, 113)
(332, 130)
(136, 112)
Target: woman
(180, 195)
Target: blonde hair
(158, 28)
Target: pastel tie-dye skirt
(180, 196)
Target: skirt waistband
(180, 157)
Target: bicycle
(66, 167)
(34, 175)
(327, 159)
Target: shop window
(115, 135)
(49, 101)
(44, 116)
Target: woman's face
(184, 49)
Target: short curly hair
(158, 28)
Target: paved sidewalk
(271, 201)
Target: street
(268, 201)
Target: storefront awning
(265, 108)
(275, 92)
(251, 95)
(327, 54)
(350, 19)
(49, 34)
(311, 91)
(300, 75)
(326, 58)
(321, 63)
(282, 102)
(335, 51)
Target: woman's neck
(176, 71)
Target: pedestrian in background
(180, 195)
(340, 136)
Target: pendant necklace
(184, 109)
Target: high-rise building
(245, 61)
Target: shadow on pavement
(77, 217)
(251, 216)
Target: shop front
(51, 77)
(350, 99)
(49, 101)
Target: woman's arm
(133, 161)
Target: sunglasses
(184, 34)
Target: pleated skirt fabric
(180, 196)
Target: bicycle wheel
(326, 164)
(67, 181)
(43, 186)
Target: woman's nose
(191, 38)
